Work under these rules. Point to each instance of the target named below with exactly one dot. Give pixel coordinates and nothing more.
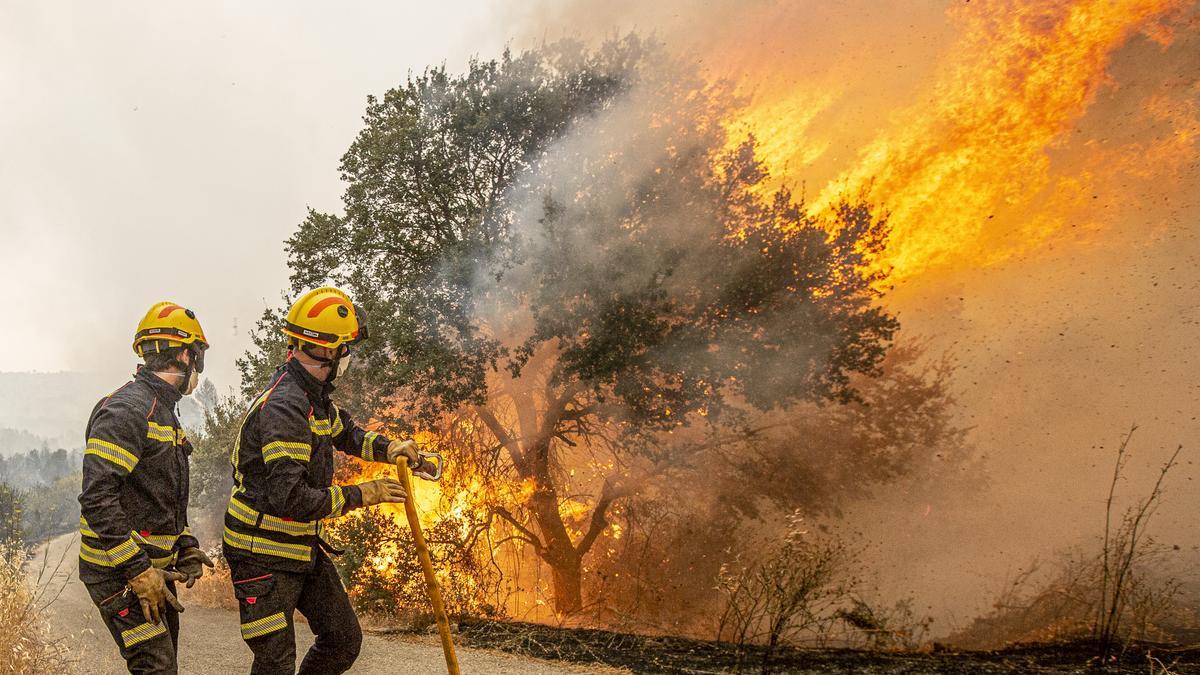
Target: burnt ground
(645, 654)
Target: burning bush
(383, 575)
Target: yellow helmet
(167, 325)
(325, 317)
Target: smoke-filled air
(746, 332)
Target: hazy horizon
(166, 150)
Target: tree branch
(610, 493)
(502, 435)
(530, 536)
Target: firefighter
(134, 537)
(283, 473)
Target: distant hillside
(52, 409)
(14, 441)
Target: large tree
(564, 250)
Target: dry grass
(214, 589)
(26, 645)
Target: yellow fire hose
(404, 475)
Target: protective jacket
(283, 471)
(133, 508)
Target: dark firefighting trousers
(146, 648)
(266, 600)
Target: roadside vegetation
(26, 643)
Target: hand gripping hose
(404, 475)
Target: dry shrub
(214, 589)
(1121, 592)
(875, 625)
(794, 593)
(26, 645)
(1061, 601)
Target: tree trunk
(530, 450)
(560, 552)
(568, 592)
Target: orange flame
(960, 171)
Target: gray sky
(165, 150)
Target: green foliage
(458, 218)
(39, 466)
(52, 509)
(46, 485)
(211, 477)
(270, 349)
(12, 532)
(426, 209)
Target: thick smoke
(1061, 344)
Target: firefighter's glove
(381, 491)
(191, 562)
(151, 588)
(406, 449)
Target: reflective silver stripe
(263, 626)
(111, 452)
(280, 449)
(163, 541)
(123, 551)
(368, 446)
(112, 557)
(160, 432)
(267, 547)
(338, 500)
(93, 555)
(320, 427)
(141, 633)
(247, 515)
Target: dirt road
(210, 641)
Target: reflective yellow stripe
(267, 547)
(163, 541)
(244, 513)
(123, 551)
(280, 449)
(320, 427)
(180, 436)
(164, 562)
(160, 432)
(338, 428)
(141, 633)
(235, 456)
(368, 446)
(338, 500)
(263, 626)
(111, 452)
(93, 555)
(112, 557)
